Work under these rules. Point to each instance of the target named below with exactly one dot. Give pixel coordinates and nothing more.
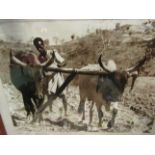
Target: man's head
(39, 44)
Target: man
(57, 78)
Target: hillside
(124, 48)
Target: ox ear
(102, 65)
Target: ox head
(115, 80)
(36, 68)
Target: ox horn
(139, 64)
(48, 62)
(16, 60)
(37, 63)
(45, 64)
(134, 71)
(102, 65)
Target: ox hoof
(65, 114)
(81, 122)
(110, 124)
(99, 125)
(90, 124)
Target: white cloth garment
(57, 79)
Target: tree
(72, 36)
(117, 26)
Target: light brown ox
(106, 89)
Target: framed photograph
(77, 76)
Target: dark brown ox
(24, 70)
(106, 89)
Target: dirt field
(135, 114)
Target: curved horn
(46, 63)
(16, 60)
(102, 65)
(36, 64)
(139, 64)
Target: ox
(24, 68)
(29, 76)
(106, 89)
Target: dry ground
(135, 114)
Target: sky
(25, 30)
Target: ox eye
(117, 77)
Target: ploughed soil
(135, 114)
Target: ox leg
(91, 113)
(38, 102)
(100, 115)
(83, 116)
(43, 107)
(29, 107)
(26, 105)
(112, 121)
(81, 106)
(27, 95)
(51, 107)
(63, 97)
(81, 109)
(114, 113)
(32, 109)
